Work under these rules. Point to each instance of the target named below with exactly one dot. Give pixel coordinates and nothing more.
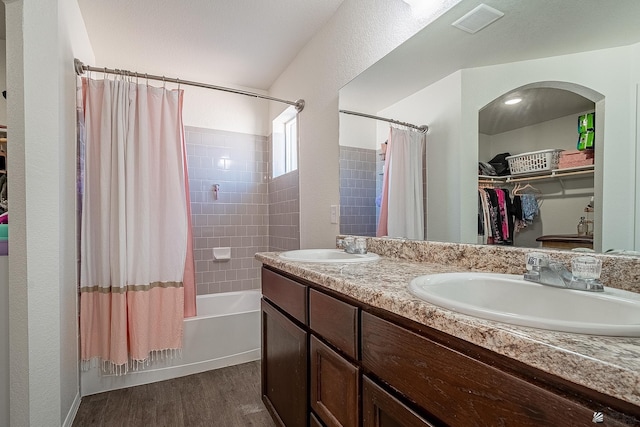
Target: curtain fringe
(134, 365)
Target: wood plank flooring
(226, 397)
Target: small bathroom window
(285, 142)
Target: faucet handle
(535, 260)
(586, 268)
(350, 244)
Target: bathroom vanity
(348, 345)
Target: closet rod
(423, 128)
(81, 68)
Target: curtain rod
(423, 128)
(81, 68)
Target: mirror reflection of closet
(545, 118)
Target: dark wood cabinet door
(381, 409)
(313, 421)
(334, 386)
(284, 368)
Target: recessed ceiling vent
(478, 18)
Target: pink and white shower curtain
(402, 207)
(136, 262)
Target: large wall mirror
(457, 83)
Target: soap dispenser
(582, 227)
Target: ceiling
(248, 44)
(528, 30)
(538, 105)
(244, 43)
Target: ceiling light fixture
(512, 101)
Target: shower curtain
(402, 207)
(135, 225)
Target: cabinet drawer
(334, 386)
(335, 321)
(287, 294)
(460, 390)
(381, 409)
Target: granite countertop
(610, 365)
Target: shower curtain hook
(164, 83)
(178, 81)
(147, 78)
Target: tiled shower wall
(284, 212)
(239, 218)
(358, 191)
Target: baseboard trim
(71, 415)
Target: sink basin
(327, 255)
(510, 299)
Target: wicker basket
(535, 161)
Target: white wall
(352, 40)
(42, 39)
(3, 79)
(213, 109)
(635, 72)
(73, 43)
(4, 340)
(559, 133)
(359, 132)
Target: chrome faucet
(586, 272)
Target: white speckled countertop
(610, 365)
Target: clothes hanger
(520, 190)
(516, 189)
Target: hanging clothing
(134, 228)
(518, 215)
(402, 207)
(495, 213)
(529, 206)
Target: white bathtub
(226, 332)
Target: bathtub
(226, 332)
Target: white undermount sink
(510, 299)
(327, 256)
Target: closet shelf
(554, 174)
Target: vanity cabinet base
(334, 361)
